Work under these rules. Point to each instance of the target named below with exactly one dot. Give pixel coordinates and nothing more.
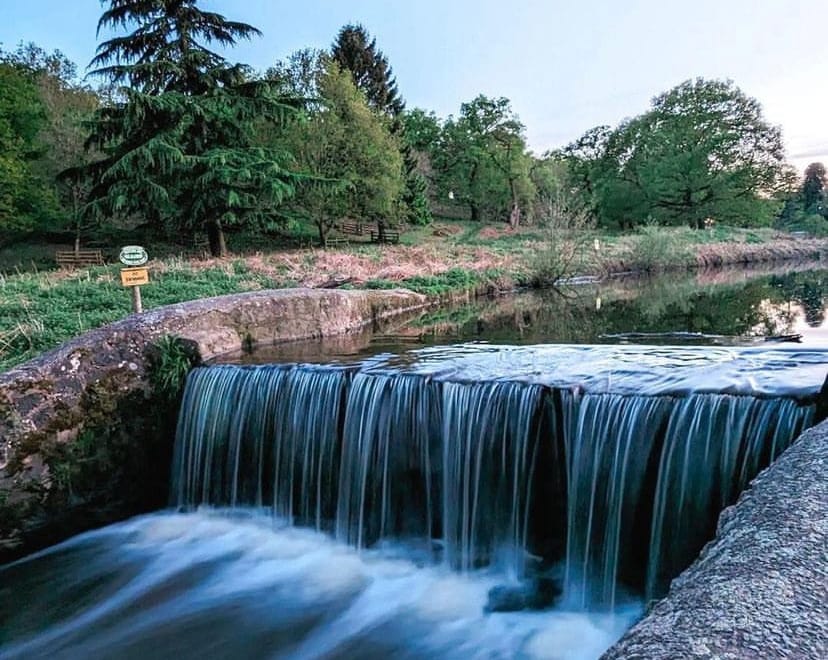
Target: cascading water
(614, 461)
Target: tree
(25, 197)
(813, 189)
(298, 76)
(180, 149)
(68, 107)
(352, 164)
(481, 160)
(585, 161)
(357, 53)
(704, 150)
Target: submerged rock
(537, 593)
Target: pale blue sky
(566, 66)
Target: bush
(566, 243)
(660, 248)
(171, 360)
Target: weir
(604, 466)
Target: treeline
(178, 139)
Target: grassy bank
(40, 309)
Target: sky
(567, 66)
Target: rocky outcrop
(760, 589)
(84, 438)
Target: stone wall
(760, 588)
(84, 439)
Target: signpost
(135, 275)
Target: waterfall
(648, 476)
(623, 489)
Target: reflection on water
(242, 585)
(730, 307)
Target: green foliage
(356, 52)
(480, 161)
(25, 197)
(704, 151)
(658, 248)
(456, 279)
(68, 107)
(814, 190)
(171, 360)
(168, 51)
(182, 148)
(352, 164)
(415, 206)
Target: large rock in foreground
(84, 439)
(760, 589)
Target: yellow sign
(134, 276)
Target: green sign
(133, 255)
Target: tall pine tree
(355, 51)
(180, 148)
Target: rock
(533, 594)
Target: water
(612, 461)
(389, 496)
(721, 307)
(214, 584)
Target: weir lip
(618, 369)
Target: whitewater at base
(242, 584)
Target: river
(512, 478)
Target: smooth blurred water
(242, 584)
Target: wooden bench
(353, 228)
(385, 237)
(335, 241)
(200, 245)
(79, 259)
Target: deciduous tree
(352, 163)
(704, 150)
(26, 199)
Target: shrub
(566, 243)
(660, 248)
(170, 361)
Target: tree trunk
(514, 216)
(475, 211)
(78, 222)
(215, 235)
(323, 233)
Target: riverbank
(41, 310)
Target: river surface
(203, 580)
(725, 307)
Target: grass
(40, 309)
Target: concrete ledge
(84, 440)
(760, 588)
